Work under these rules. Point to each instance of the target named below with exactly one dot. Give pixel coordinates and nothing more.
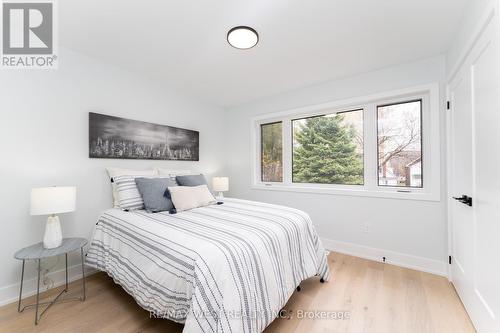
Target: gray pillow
(153, 193)
(191, 180)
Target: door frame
(489, 13)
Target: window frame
(430, 137)
(261, 145)
(377, 106)
(323, 115)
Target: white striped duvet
(222, 268)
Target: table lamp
(51, 201)
(220, 184)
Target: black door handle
(465, 200)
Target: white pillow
(116, 172)
(127, 192)
(172, 173)
(189, 197)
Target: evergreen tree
(325, 152)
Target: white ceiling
(302, 42)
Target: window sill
(388, 194)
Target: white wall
(44, 141)
(413, 233)
(472, 16)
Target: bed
(219, 268)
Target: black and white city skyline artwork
(115, 137)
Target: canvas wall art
(115, 137)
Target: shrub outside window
(328, 149)
(271, 152)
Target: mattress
(220, 268)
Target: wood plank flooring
(376, 297)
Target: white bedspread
(222, 268)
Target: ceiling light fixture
(242, 37)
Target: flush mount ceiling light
(242, 37)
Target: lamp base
(220, 196)
(53, 234)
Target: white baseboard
(395, 258)
(10, 294)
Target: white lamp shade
(220, 184)
(53, 200)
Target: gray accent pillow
(153, 192)
(191, 180)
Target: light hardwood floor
(378, 297)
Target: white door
(475, 172)
(461, 183)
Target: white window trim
(431, 146)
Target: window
(271, 152)
(380, 145)
(328, 149)
(400, 144)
